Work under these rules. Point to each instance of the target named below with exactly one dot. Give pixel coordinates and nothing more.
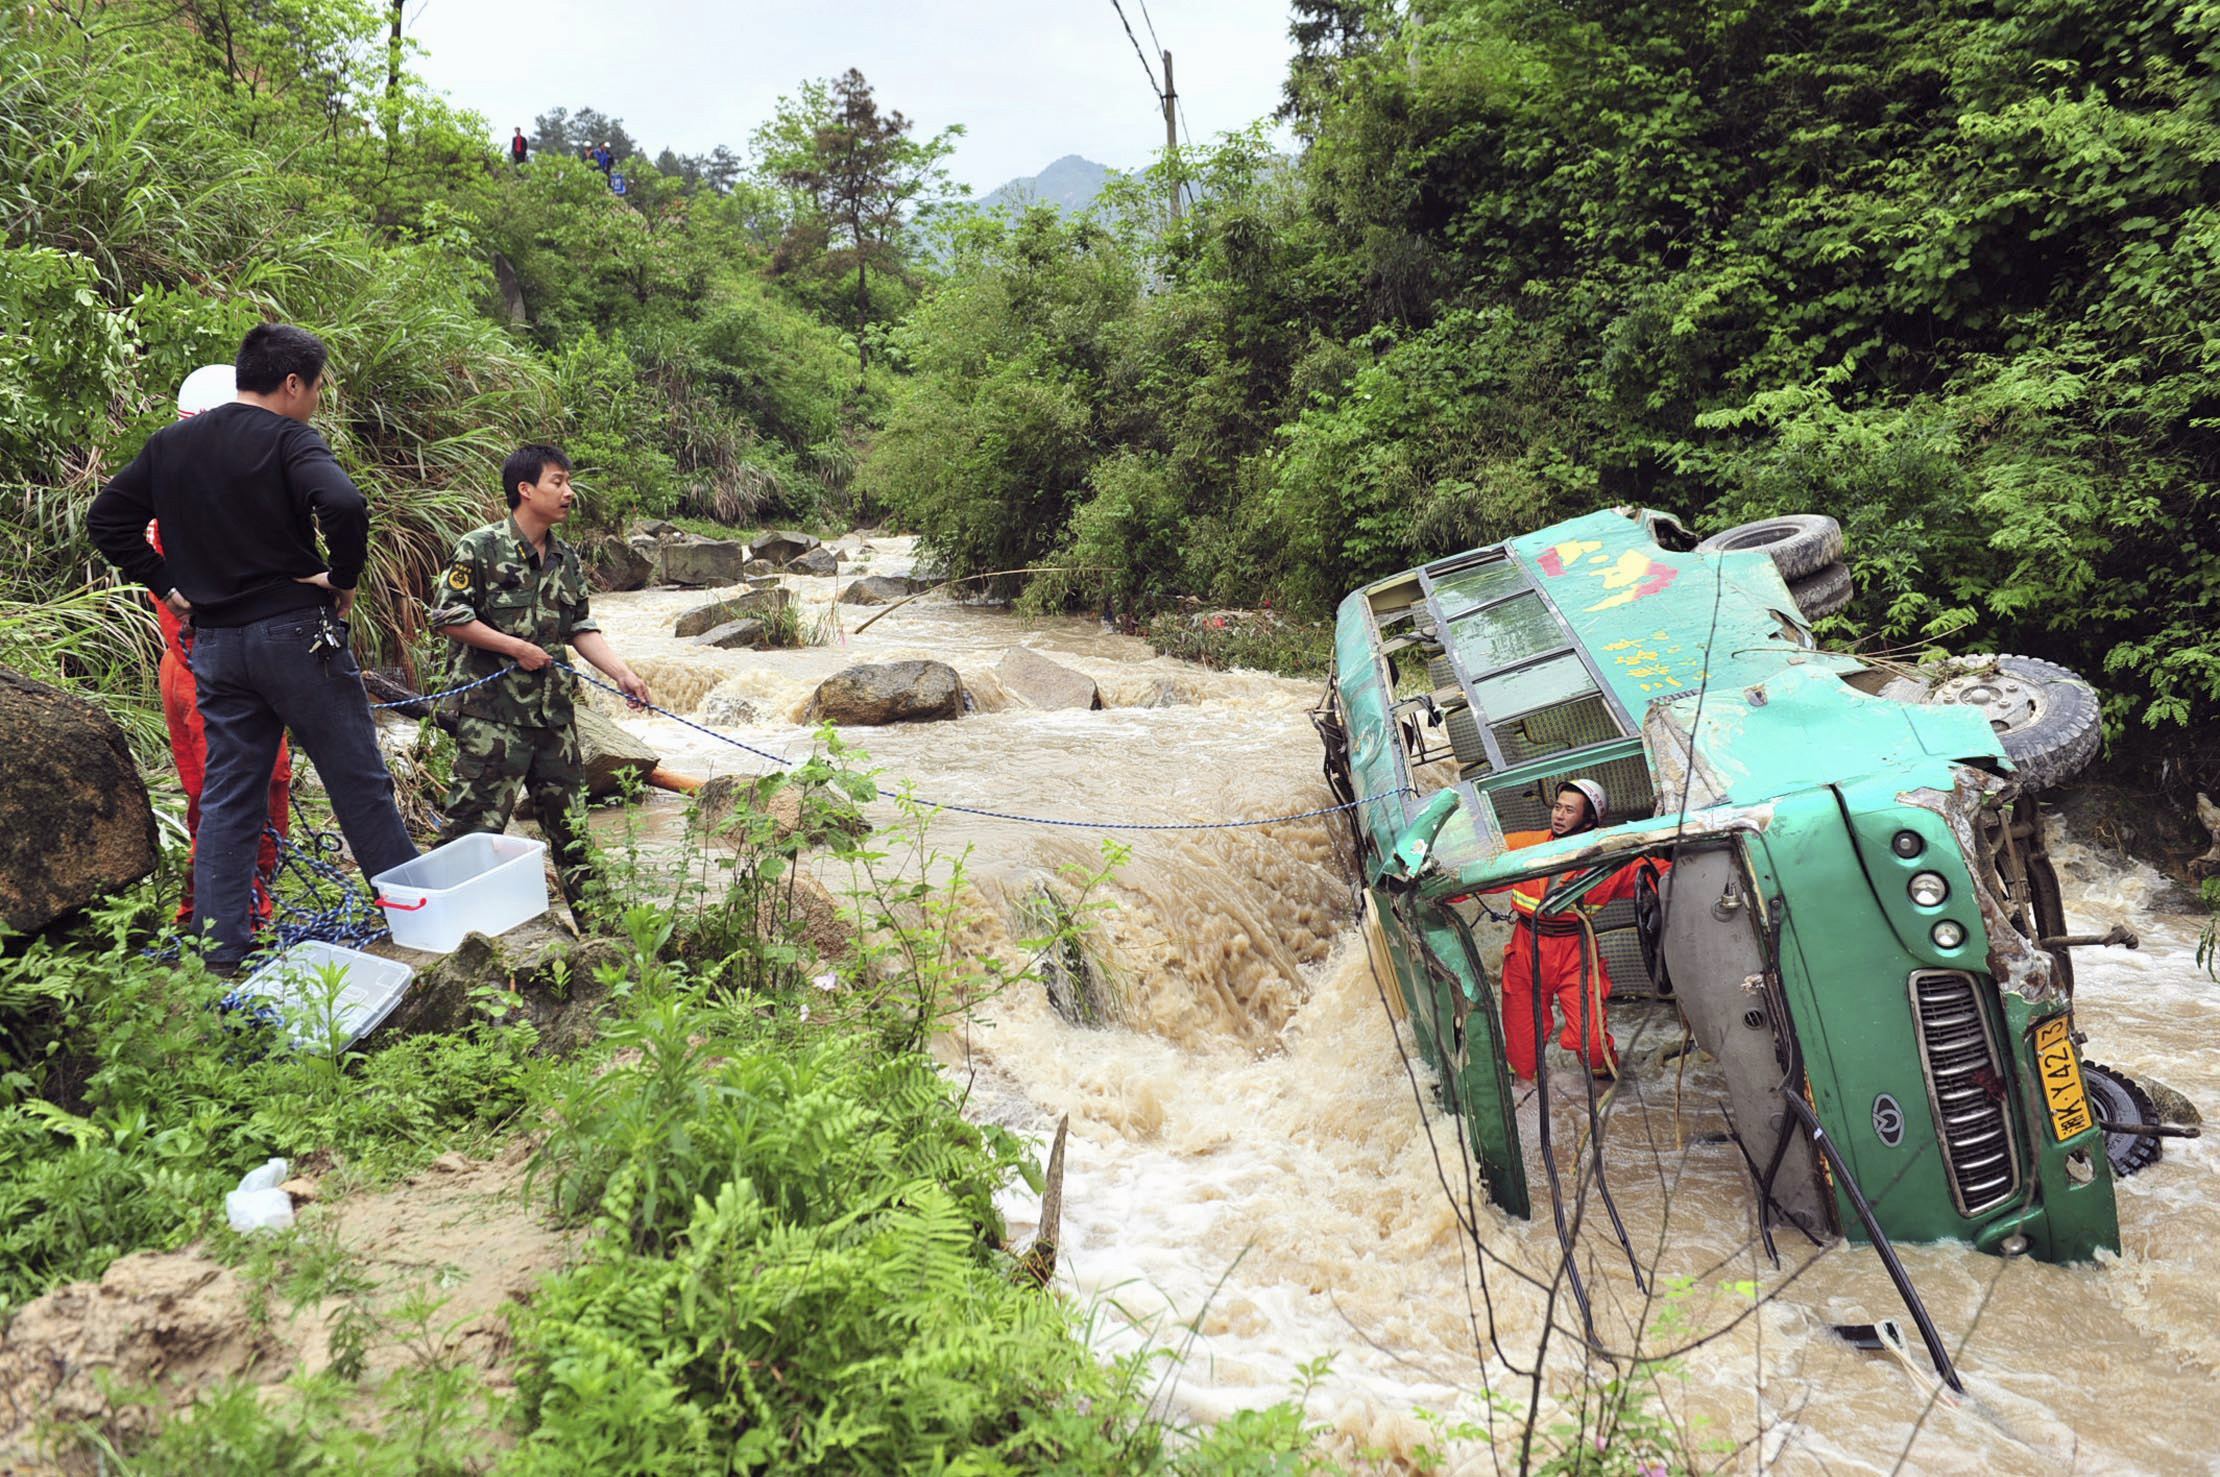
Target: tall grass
(162, 222)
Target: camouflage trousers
(493, 761)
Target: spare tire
(1801, 544)
(2046, 714)
(2115, 1097)
(1823, 593)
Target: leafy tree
(862, 177)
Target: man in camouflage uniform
(514, 595)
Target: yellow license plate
(2054, 1058)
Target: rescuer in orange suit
(205, 389)
(1563, 941)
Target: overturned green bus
(1860, 922)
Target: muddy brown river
(1253, 1179)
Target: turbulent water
(1255, 1180)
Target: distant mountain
(1070, 184)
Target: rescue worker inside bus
(1574, 980)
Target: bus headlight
(1947, 935)
(1928, 889)
(1907, 844)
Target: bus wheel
(2046, 715)
(1823, 593)
(2118, 1098)
(1802, 544)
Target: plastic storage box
(478, 884)
(294, 984)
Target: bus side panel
(1460, 1033)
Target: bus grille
(1965, 1086)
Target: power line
(1151, 24)
(1137, 51)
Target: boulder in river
(75, 823)
(727, 710)
(703, 564)
(656, 528)
(620, 565)
(611, 752)
(879, 589)
(888, 692)
(781, 547)
(819, 561)
(740, 635)
(758, 569)
(762, 604)
(1040, 683)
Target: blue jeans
(255, 682)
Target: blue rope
(433, 697)
(349, 919)
(1030, 820)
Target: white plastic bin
(478, 884)
(293, 982)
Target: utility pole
(1171, 130)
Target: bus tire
(2115, 1097)
(1802, 544)
(2046, 714)
(1824, 593)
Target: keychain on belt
(329, 637)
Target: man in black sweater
(241, 491)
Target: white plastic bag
(258, 1204)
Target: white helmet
(1599, 804)
(206, 388)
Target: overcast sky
(1029, 82)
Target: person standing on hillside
(204, 389)
(241, 492)
(514, 594)
(603, 159)
(519, 150)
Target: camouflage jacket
(496, 578)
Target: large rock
(75, 824)
(654, 529)
(778, 802)
(611, 753)
(761, 603)
(819, 561)
(758, 569)
(879, 589)
(620, 565)
(536, 972)
(781, 547)
(1037, 682)
(743, 634)
(704, 564)
(888, 692)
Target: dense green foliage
(167, 179)
(1941, 270)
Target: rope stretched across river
(996, 815)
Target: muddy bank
(162, 1329)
